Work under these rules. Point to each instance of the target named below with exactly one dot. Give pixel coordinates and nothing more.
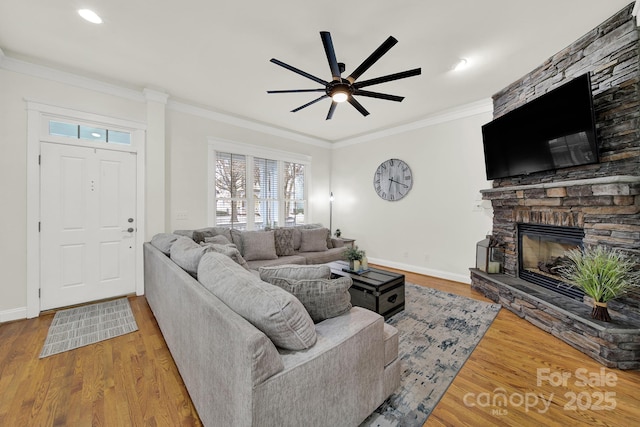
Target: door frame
(38, 115)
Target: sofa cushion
(313, 240)
(323, 298)
(295, 272)
(284, 241)
(229, 250)
(187, 254)
(277, 313)
(164, 241)
(258, 245)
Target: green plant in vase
(603, 274)
(354, 255)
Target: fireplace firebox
(541, 254)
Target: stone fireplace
(539, 216)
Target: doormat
(437, 333)
(89, 324)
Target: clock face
(392, 180)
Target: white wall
(434, 229)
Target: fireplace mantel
(618, 179)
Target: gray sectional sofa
(249, 352)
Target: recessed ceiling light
(461, 65)
(90, 16)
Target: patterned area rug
(438, 331)
(77, 327)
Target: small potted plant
(354, 255)
(603, 274)
(338, 233)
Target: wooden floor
(132, 380)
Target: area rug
(80, 326)
(437, 331)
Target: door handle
(128, 230)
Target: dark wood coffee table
(378, 290)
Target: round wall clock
(392, 180)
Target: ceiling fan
(339, 89)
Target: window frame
(250, 152)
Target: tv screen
(553, 131)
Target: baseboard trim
(466, 279)
(13, 314)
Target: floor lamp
(331, 214)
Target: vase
(364, 264)
(354, 265)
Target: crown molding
(456, 113)
(246, 124)
(148, 94)
(155, 95)
(48, 73)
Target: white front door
(88, 224)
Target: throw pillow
(284, 241)
(218, 240)
(164, 241)
(187, 254)
(313, 240)
(229, 250)
(277, 313)
(323, 298)
(258, 245)
(295, 272)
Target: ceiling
(215, 54)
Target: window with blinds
(257, 192)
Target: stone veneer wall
(607, 208)
(604, 198)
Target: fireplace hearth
(541, 254)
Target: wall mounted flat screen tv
(554, 131)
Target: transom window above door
(88, 133)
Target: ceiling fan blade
(331, 54)
(302, 73)
(372, 59)
(357, 106)
(309, 103)
(334, 104)
(296, 90)
(378, 95)
(388, 78)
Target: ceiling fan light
(339, 96)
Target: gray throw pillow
(284, 241)
(164, 241)
(218, 240)
(295, 272)
(323, 298)
(277, 313)
(187, 254)
(313, 240)
(229, 250)
(258, 245)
